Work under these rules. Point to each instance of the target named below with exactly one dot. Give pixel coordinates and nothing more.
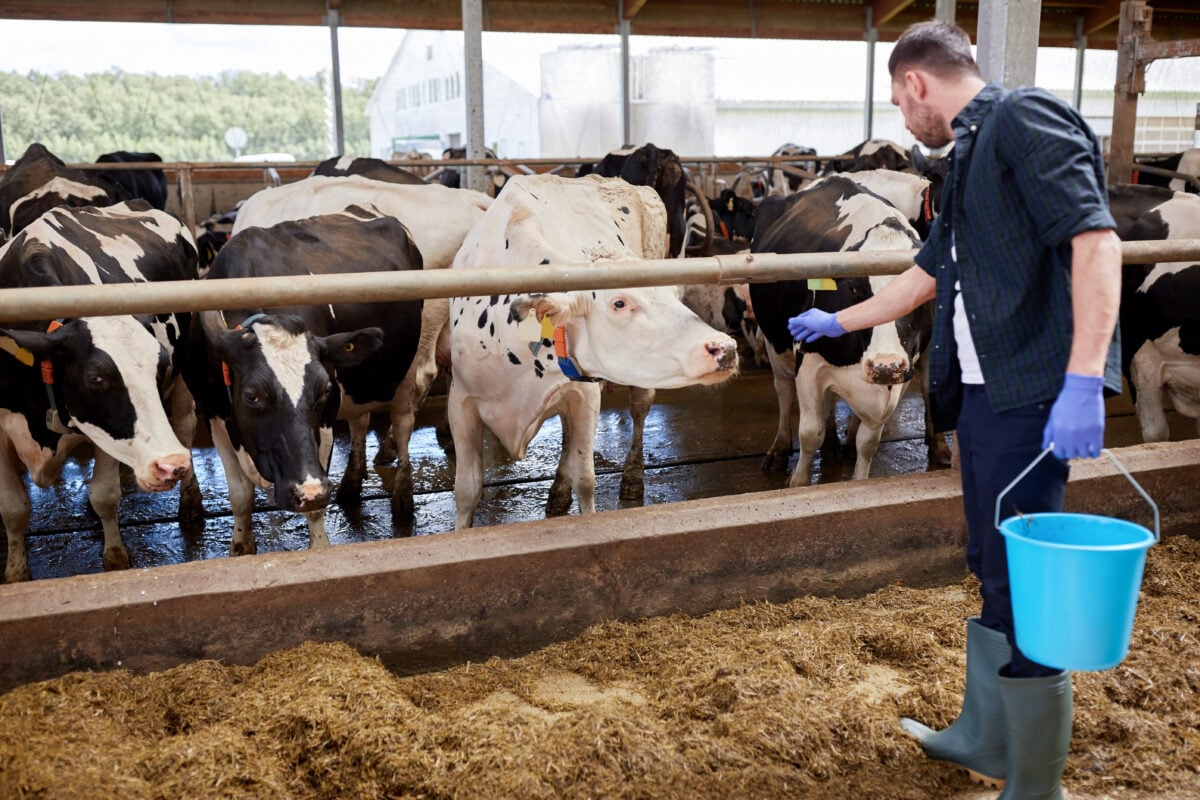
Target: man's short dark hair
(938, 47)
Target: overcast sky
(760, 69)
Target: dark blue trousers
(994, 448)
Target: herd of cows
(270, 384)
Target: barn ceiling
(780, 19)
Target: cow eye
(96, 380)
(618, 304)
(253, 398)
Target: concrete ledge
(429, 602)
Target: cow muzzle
(310, 495)
(887, 370)
(724, 353)
(164, 472)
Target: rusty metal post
(187, 198)
(1135, 23)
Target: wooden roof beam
(632, 7)
(1107, 14)
(882, 11)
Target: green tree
(180, 118)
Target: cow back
(39, 181)
(372, 168)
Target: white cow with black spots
(634, 337)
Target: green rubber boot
(974, 741)
(1037, 721)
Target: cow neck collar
(568, 365)
(53, 418)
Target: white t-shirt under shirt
(968, 359)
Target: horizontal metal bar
(27, 304)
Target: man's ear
(917, 82)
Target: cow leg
(404, 419)
(874, 406)
(811, 399)
(349, 491)
(783, 371)
(937, 446)
(241, 493)
(633, 479)
(558, 501)
(1145, 373)
(580, 416)
(182, 413)
(317, 537)
(15, 508)
(104, 494)
(467, 428)
(831, 446)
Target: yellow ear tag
(822, 285)
(18, 352)
(529, 329)
(547, 328)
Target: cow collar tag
(53, 420)
(568, 365)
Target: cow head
(894, 347)
(636, 337)
(284, 400)
(106, 375)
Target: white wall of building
(422, 95)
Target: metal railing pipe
(39, 303)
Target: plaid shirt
(1026, 176)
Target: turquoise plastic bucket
(1074, 580)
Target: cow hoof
(348, 494)
(18, 575)
(558, 506)
(244, 550)
(774, 462)
(115, 558)
(633, 490)
(387, 451)
(403, 507)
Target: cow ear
(558, 306)
(25, 346)
(350, 349)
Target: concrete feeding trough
(429, 602)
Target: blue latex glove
(1076, 424)
(813, 324)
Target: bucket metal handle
(1104, 451)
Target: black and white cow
(518, 360)
(779, 180)
(437, 219)
(131, 184)
(97, 379)
(1160, 307)
(661, 170)
(1185, 163)
(869, 369)
(871, 154)
(272, 384)
(373, 168)
(39, 181)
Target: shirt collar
(973, 115)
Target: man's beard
(929, 129)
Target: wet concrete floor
(698, 443)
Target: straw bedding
(794, 700)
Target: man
(1024, 268)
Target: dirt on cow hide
(794, 700)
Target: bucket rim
(1014, 521)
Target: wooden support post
(1135, 23)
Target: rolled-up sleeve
(1056, 165)
(928, 256)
